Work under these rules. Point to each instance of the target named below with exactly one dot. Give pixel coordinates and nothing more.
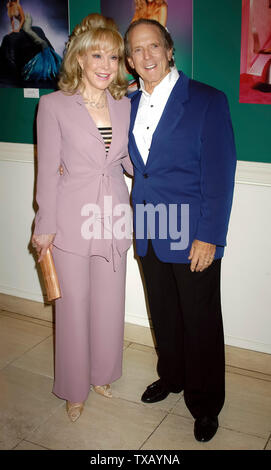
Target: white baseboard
(246, 172)
(248, 344)
(24, 153)
(253, 173)
(23, 294)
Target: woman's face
(99, 68)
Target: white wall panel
(246, 268)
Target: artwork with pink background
(179, 23)
(255, 67)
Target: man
(182, 148)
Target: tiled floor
(32, 418)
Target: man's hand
(201, 255)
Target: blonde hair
(13, 10)
(140, 4)
(93, 33)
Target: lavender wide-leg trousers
(89, 323)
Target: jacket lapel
(173, 113)
(84, 117)
(116, 123)
(134, 152)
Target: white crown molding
(255, 173)
(23, 153)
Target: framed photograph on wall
(175, 15)
(255, 68)
(32, 42)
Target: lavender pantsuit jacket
(67, 135)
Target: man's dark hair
(167, 39)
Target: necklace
(93, 104)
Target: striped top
(106, 133)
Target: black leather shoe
(205, 428)
(155, 392)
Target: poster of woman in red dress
(255, 70)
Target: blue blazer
(190, 171)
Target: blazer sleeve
(218, 163)
(126, 162)
(128, 166)
(49, 149)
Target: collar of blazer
(174, 109)
(91, 126)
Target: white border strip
(253, 173)
(10, 152)
(247, 172)
(22, 294)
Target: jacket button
(146, 175)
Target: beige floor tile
(8, 436)
(25, 445)
(139, 370)
(181, 409)
(248, 359)
(17, 336)
(26, 401)
(142, 347)
(247, 407)
(177, 433)
(29, 319)
(248, 373)
(26, 307)
(39, 359)
(138, 334)
(104, 424)
(126, 344)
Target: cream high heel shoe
(104, 390)
(74, 410)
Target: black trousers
(185, 311)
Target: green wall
(217, 35)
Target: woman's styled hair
(93, 33)
(167, 39)
(142, 3)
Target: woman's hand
(42, 243)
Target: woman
(75, 126)
(16, 15)
(46, 63)
(152, 10)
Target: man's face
(149, 57)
